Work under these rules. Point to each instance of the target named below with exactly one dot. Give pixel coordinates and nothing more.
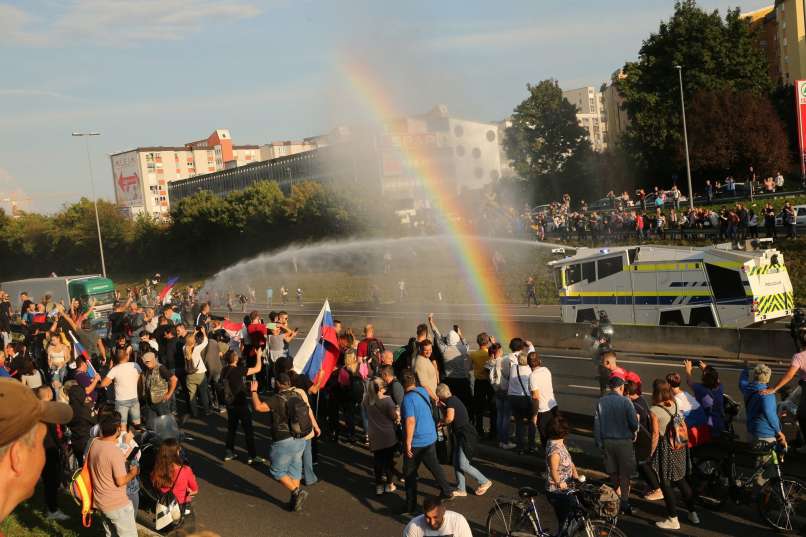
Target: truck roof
(51, 279)
(665, 253)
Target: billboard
(126, 176)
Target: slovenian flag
(167, 289)
(79, 348)
(320, 348)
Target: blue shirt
(614, 419)
(762, 412)
(416, 403)
(4, 372)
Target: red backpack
(676, 431)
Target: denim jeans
(120, 522)
(307, 464)
(286, 458)
(129, 410)
(503, 417)
(462, 466)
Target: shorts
(129, 410)
(286, 458)
(619, 457)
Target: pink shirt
(185, 482)
(799, 361)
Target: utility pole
(86, 136)
(685, 137)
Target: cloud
(118, 22)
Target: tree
(544, 136)
(715, 54)
(732, 130)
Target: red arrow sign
(124, 182)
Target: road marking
(584, 387)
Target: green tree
(715, 53)
(733, 130)
(545, 136)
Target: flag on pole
(79, 348)
(167, 289)
(320, 348)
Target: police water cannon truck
(718, 286)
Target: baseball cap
(20, 410)
(149, 358)
(615, 382)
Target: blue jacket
(614, 419)
(762, 412)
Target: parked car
(800, 216)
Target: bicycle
(510, 517)
(781, 499)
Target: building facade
(285, 148)
(616, 117)
(396, 160)
(141, 176)
(590, 114)
(781, 30)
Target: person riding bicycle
(763, 423)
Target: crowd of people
(429, 402)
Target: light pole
(86, 136)
(685, 137)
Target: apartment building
(590, 114)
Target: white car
(800, 216)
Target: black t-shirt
(460, 418)
(5, 316)
(117, 323)
(234, 375)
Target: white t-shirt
(540, 380)
(453, 525)
(686, 402)
(125, 377)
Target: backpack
(374, 349)
(190, 364)
(224, 388)
(356, 388)
(168, 510)
(677, 431)
(81, 490)
(299, 419)
(156, 386)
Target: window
(632, 253)
(611, 265)
(573, 274)
(558, 278)
(726, 283)
(589, 271)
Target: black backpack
(299, 419)
(224, 388)
(356, 388)
(374, 350)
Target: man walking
(614, 426)
(530, 291)
(159, 386)
(419, 440)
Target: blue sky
(151, 72)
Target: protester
(455, 360)
(797, 368)
(370, 349)
(436, 520)
(125, 376)
(464, 440)
(560, 469)
(407, 354)
(614, 427)
(669, 461)
(172, 473)
(83, 419)
(499, 379)
(763, 422)
(195, 370)
(483, 394)
(643, 443)
(24, 420)
(520, 401)
(383, 417)
(419, 440)
(233, 378)
(52, 472)
(541, 389)
(158, 387)
(287, 445)
(426, 369)
(109, 477)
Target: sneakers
(483, 488)
(670, 523)
(229, 455)
(378, 490)
(507, 445)
(256, 460)
(694, 518)
(390, 488)
(654, 495)
(58, 515)
(299, 499)
(458, 493)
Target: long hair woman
(170, 473)
(381, 416)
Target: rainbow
(467, 247)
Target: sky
(167, 72)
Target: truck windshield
(104, 299)
(558, 278)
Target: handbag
(168, 510)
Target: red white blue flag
(319, 351)
(167, 289)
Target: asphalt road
(239, 500)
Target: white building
(285, 148)
(590, 114)
(141, 175)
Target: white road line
(584, 387)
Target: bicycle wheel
(710, 487)
(782, 503)
(510, 519)
(597, 528)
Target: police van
(665, 285)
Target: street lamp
(86, 136)
(685, 137)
